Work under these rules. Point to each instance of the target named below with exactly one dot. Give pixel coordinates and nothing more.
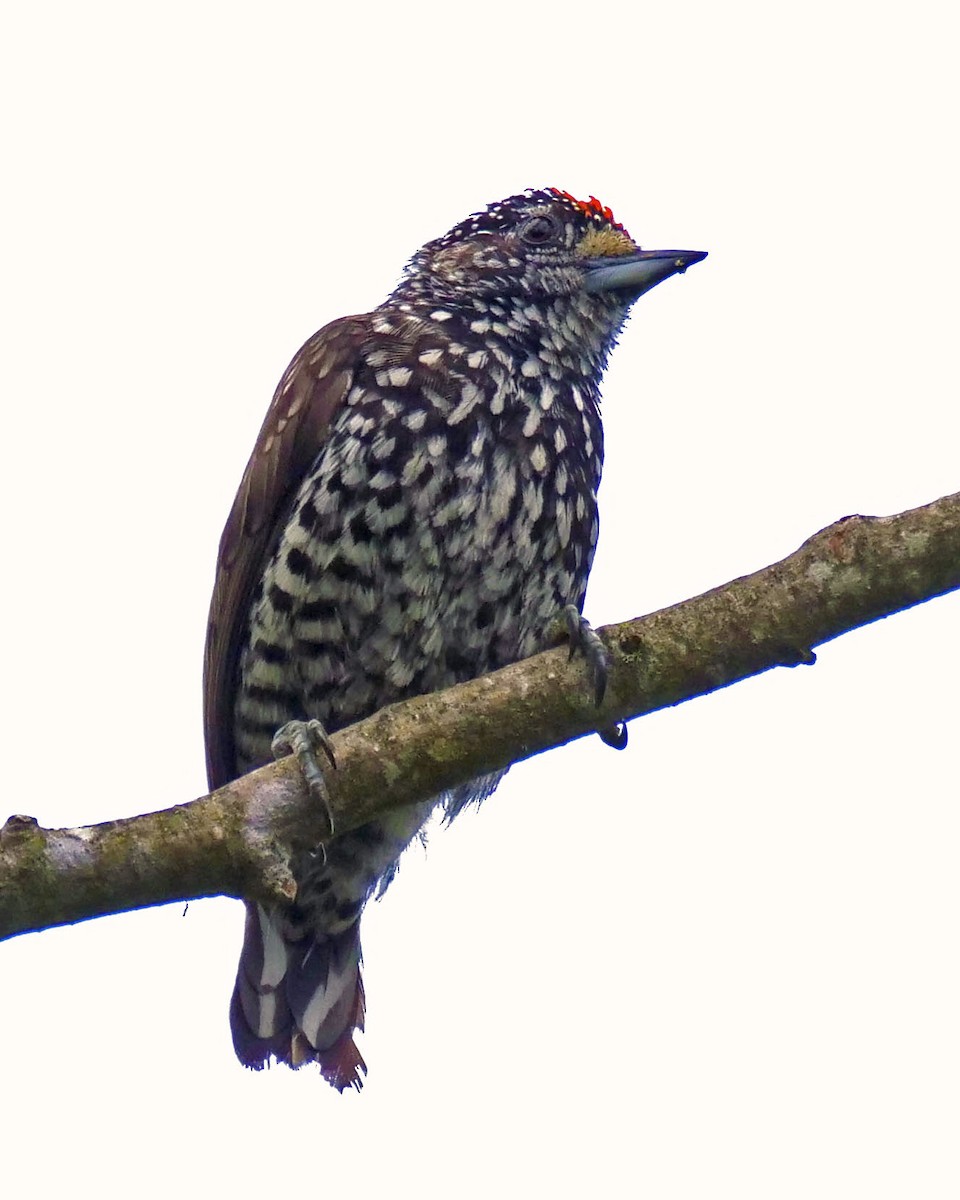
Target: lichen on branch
(238, 841)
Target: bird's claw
(615, 737)
(584, 639)
(306, 739)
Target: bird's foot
(584, 639)
(306, 740)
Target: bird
(419, 507)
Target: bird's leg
(584, 639)
(306, 739)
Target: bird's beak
(636, 273)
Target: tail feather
(341, 1063)
(299, 1001)
(322, 985)
(259, 1013)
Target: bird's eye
(540, 230)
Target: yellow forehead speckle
(605, 243)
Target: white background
(723, 963)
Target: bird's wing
(311, 391)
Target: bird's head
(536, 246)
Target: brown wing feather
(308, 396)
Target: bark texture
(237, 841)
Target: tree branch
(238, 840)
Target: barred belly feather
(420, 505)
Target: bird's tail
(298, 998)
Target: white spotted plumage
(442, 515)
